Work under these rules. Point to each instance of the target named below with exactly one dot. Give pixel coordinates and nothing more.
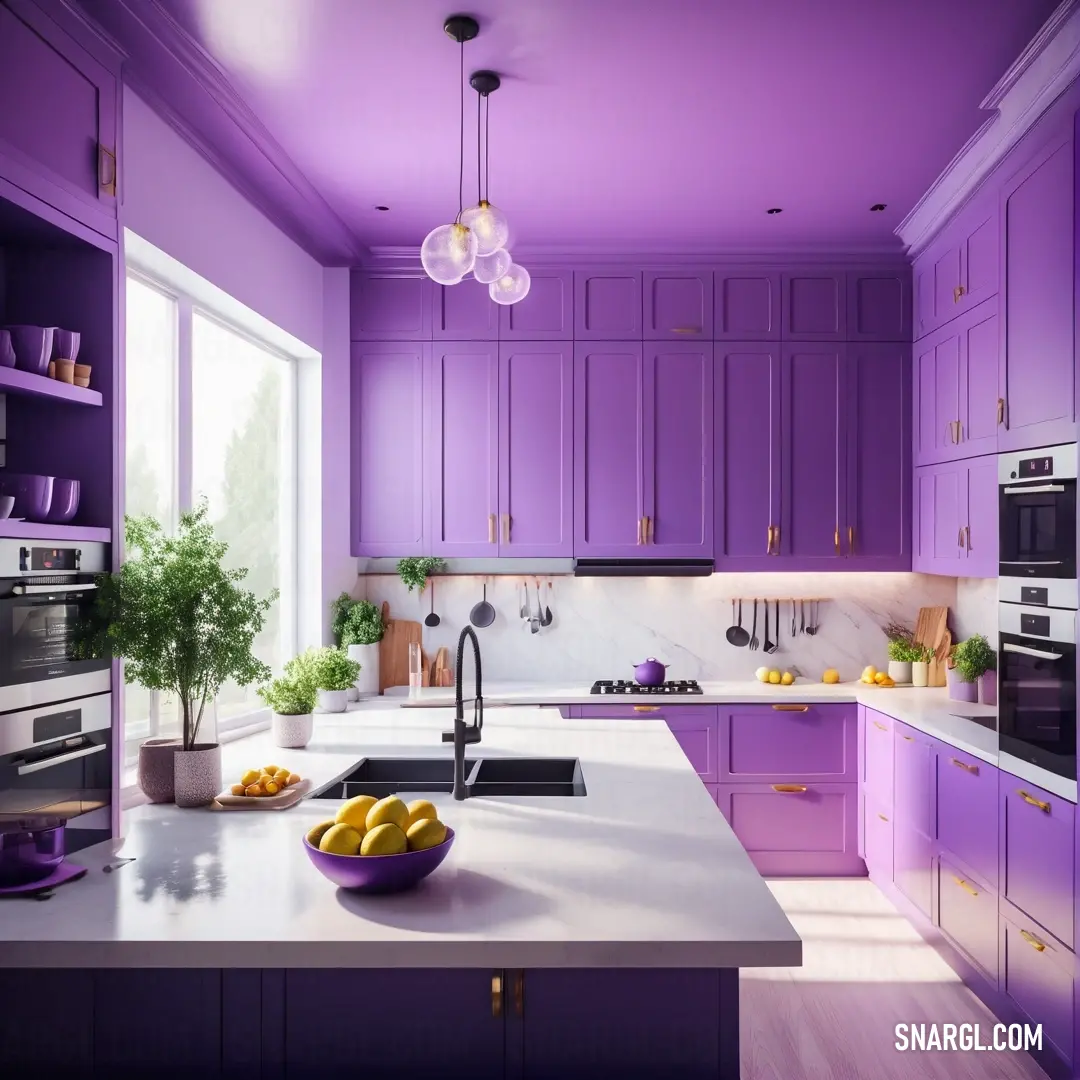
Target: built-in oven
(1037, 518)
(56, 762)
(45, 591)
(1037, 695)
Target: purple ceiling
(624, 125)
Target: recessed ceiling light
(775, 210)
(877, 207)
(383, 208)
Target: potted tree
(183, 624)
(290, 700)
(902, 651)
(973, 666)
(360, 636)
(329, 671)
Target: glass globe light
(512, 286)
(491, 267)
(448, 253)
(490, 225)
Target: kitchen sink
(487, 776)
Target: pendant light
(487, 221)
(512, 286)
(448, 253)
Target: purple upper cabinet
(678, 450)
(747, 454)
(875, 529)
(390, 307)
(464, 312)
(388, 448)
(981, 527)
(746, 304)
(937, 396)
(677, 304)
(463, 476)
(913, 805)
(546, 314)
(939, 498)
(607, 304)
(608, 429)
(814, 305)
(58, 126)
(536, 444)
(879, 304)
(813, 435)
(1038, 304)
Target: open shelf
(15, 381)
(35, 530)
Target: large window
(211, 413)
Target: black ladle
(736, 635)
(483, 614)
(432, 619)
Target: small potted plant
(901, 653)
(414, 571)
(291, 701)
(329, 671)
(361, 632)
(972, 661)
(921, 655)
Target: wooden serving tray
(281, 801)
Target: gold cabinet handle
(791, 708)
(973, 769)
(949, 432)
(506, 528)
(960, 538)
(789, 789)
(106, 171)
(851, 539)
(957, 293)
(1033, 941)
(776, 539)
(880, 726)
(686, 329)
(519, 993)
(640, 528)
(908, 738)
(1001, 410)
(883, 818)
(836, 539)
(646, 708)
(1031, 800)
(768, 544)
(967, 537)
(959, 431)
(491, 529)
(648, 529)
(496, 994)
(965, 886)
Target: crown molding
(1038, 76)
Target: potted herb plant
(290, 701)
(329, 672)
(921, 655)
(361, 631)
(972, 673)
(901, 652)
(185, 625)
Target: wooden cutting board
(931, 630)
(394, 649)
(936, 672)
(441, 675)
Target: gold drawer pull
(851, 539)
(491, 529)
(791, 708)
(789, 789)
(957, 293)
(768, 542)
(908, 738)
(646, 708)
(1001, 410)
(106, 171)
(1043, 806)
(880, 726)
(974, 769)
(965, 886)
(836, 539)
(496, 994)
(506, 528)
(648, 529)
(1033, 941)
(519, 993)
(883, 817)
(686, 330)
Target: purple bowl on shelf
(30, 850)
(379, 873)
(65, 344)
(7, 350)
(7, 504)
(33, 347)
(65, 501)
(33, 494)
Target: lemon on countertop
(831, 675)
(426, 833)
(421, 810)
(317, 832)
(385, 839)
(354, 812)
(787, 678)
(774, 678)
(762, 674)
(341, 840)
(388, 811)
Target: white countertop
(642, 872)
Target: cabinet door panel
(608, 427)
(980, 265)
(678, 304)
(878, 840)
(967, 821)
(879, 305)
(879, 759)
(967, 915)
(607, 304)
(747, 304)
(940, 499)
(912, 809)
(747, 442)
(981, 535)
(387, 307)
(678, 449)
(464, 312)
(695, 731)
(814, 306)
(536, 438)
(464, 471)
(937, 394)
(947, 280)
(800, 742)
(980, 344)
(546, 314)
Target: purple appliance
(30, 849)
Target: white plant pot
(333, 700)
(367, 656)
(900, 671)
(920, 673)
(197, 775)
(292, 732)
(354, 694)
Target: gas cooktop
(624, 686)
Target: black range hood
(643, 567)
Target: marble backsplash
(976, 609)
(603, 626)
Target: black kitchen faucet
(463, 733)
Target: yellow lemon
(271, 769)
(774, 677)
(386, 839)
(340, 840)
(421, 810)
(294, 778)
(355, 812)
(831, 676)
(250, 777)
(253, 790)
(787, 678)
(869, 672)
(880, 677)
(237, 789)
(887, 681)
(426, 833)
(388, 811)
(271, 787)
(762, 674)
(317, 832)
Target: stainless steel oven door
(1037, 513)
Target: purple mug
(33, 347)
(7, 350)
(65, 344)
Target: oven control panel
(1043, 465)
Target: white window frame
(196, 296)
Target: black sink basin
(528, 776)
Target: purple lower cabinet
(546, 314)
(714, 791)
(913, 801)
(629, 1024)
(968, 916)
(878, 840)
(1037, 854)
(695, 731)
(878, 759)
(792, 829)
(30, 1044)
(966, 812)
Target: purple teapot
(650, 673)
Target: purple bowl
(7, 504)
(65, 344)
(65, 501)
(33, 494)
(379, 873)
(7, 350)
(33, 347)
(30, 850)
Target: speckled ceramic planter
(333, 700)
(292, 732)
(197, 775)
(156, 769)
